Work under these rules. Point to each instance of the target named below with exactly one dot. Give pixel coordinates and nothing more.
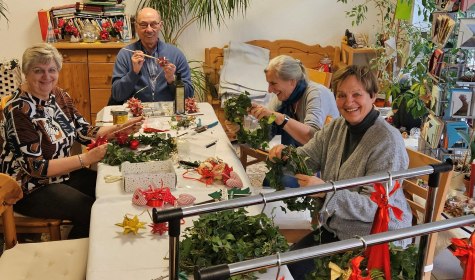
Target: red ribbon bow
(378, 255)
(356, 271)
(156, 197)
(465, 251)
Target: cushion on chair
(65, 260)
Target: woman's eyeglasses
(153, 25)
(40, 71)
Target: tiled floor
(446, 267)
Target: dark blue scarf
(286, 108)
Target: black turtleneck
(356, 132)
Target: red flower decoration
(190, 105)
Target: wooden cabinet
(87, 74)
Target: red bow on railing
(355, 269)
(378, 255)
(465, 251)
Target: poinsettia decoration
(135, 106)
(190, 105)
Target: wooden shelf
(348, 53)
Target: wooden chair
(415, 193)
(65, 259)
(34, 225)
(324, 78)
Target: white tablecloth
(113, 255)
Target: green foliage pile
(228, 237)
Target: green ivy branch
(294, 163)
(235, 109)
(160, 147)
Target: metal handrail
(224, 271)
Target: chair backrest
(10, 193)
(4, 101)
(417, 195)
(324, 78)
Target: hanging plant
(228, 237)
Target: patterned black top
(34, 131)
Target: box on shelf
(142, 174)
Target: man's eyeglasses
(153, 25)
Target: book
(432, 131)
(442, 27)
(435, 62)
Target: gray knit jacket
(381, 149)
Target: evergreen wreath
(235, 109)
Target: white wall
(308, 21)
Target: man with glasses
(146, 69)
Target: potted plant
(407, 67)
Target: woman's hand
(132, 125)
(259, 111)
(94, 155)
(276, 152)
(305, 181)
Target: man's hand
(138, 59)
(169, 69)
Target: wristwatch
(286, 119)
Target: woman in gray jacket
(359, 143)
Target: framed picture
(466, 36)
(461, 103)
(434, 102)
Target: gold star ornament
(131, 225)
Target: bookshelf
(77, 15)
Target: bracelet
(80, 161)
